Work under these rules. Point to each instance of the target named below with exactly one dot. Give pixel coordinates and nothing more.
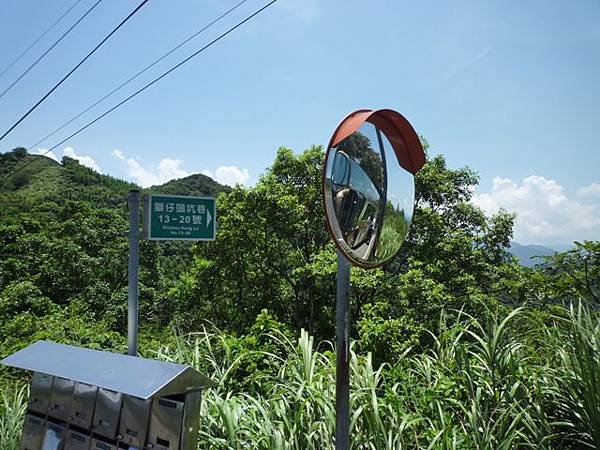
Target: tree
(453, 260)
(562, 279)
(273, 252)
(267, 254)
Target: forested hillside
(63, 253)
(456, 344)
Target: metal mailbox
(106, 413)
(77, 440)
(33, 431)
(39, 393)
(54, 437)
(82, 408)
(135, 416)
(85, 399)
(173, 422)
(60, 399)
(99, 444)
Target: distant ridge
(197, 184)
(530, 255)
(27, 178)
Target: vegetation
(478, 387)
(455, 345)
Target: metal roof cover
(131, 375)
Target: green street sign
(181, 218)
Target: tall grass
(480, 387)
(12, 408)
(577, 380)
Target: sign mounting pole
(132, 301)
(342, 363)
(366, 225)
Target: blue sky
(511, 89)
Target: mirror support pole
(132, 303)
(342, 372)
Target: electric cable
(138, 74)
(39, 102)
(122, 102)
(40, 37)
(49, 49)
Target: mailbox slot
(135, 416)
(39, 394)
(99, 444)
(33, 431)
(54, 437)
(106, 413)
(77, 441)
(60, 400)
(82, 410)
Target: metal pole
(342, 372)
(132, 303)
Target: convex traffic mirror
(368, 185)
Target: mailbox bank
(84, 399)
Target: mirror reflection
(369, 197)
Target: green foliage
(445, 355)
(197, 184)
(577, 379)
(270, 240)
(12, 409)
(576, 273)
(561, 279)
(63, 255)
(474, 389)
(17, 168)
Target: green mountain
(37, 178)
(27, 180)
(197, 184)
(64, 252)
(530, 255)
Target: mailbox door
(54, 437)
(98, 444)
(77, 441)
(39, 394)
(60, 400)
(165, 424)
(191, 421)
(106, 413)
(135, 415)
(84, 400)
(33, 431)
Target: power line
(39, 102)
(41, 36)
(125, 83)
(49, 49)
(122, 102)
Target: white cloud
(545, 214)
(84, 160)
(169, 169)
(593, 190)
(48, 154)
(118, 153)
(229, 175)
